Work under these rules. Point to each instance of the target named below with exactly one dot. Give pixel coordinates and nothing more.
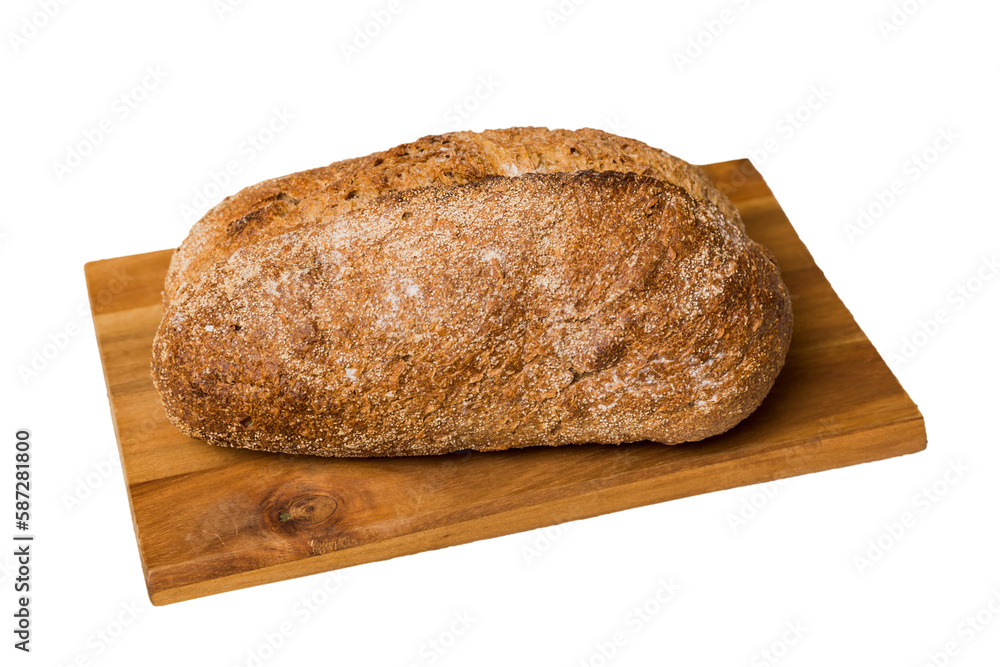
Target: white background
(612, 65)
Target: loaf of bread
(500, 312)
(282, 204)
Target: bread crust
(546, 309)
(279, 205)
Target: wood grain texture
(211, 519)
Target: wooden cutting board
(210, 519)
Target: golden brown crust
(279, 205)
(509, 312)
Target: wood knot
(308, 510)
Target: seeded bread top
(282, 204)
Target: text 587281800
(22, 542)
